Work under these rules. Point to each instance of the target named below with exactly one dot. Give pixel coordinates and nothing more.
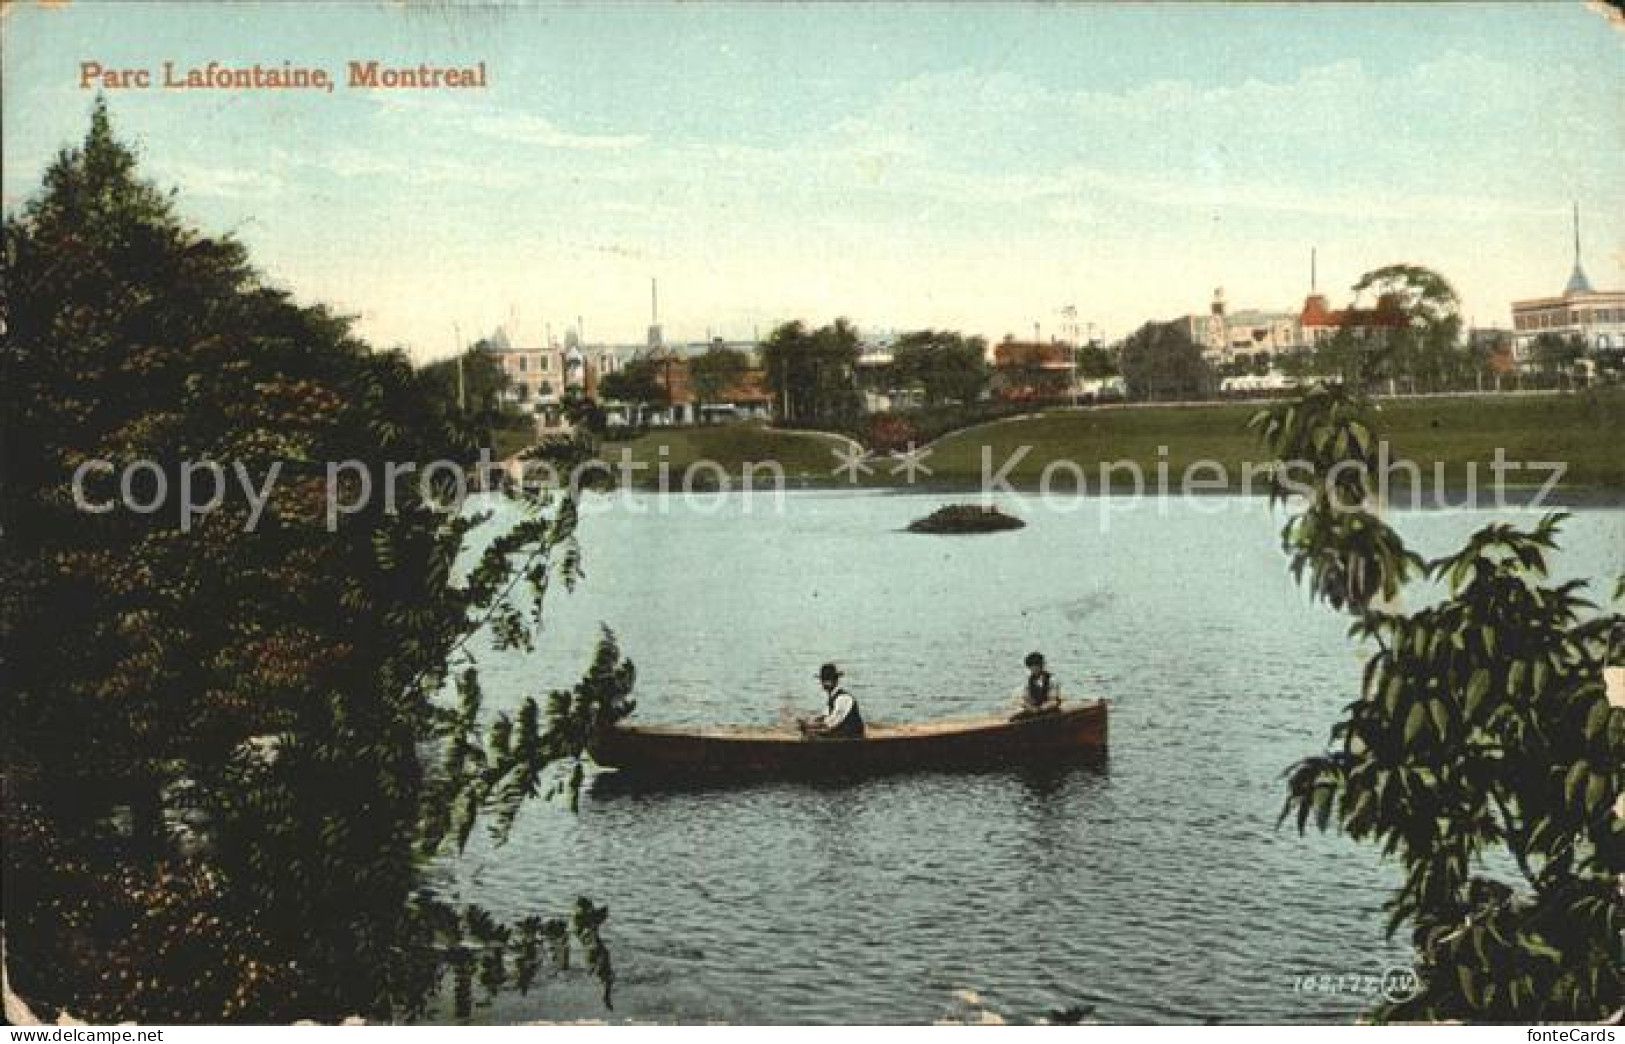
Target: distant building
(1596, 317)
(876, 346)
(1226, 337)
(1207, 330)
(1254, 332)
(1320, 322)
(688, 349)
(1030, 370)
(1103, 388)
(1262, 382)
(746, 399)
(541, 377)
(876, 379)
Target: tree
(230, 747)
(1347, 356)
(481, 387)
(718, 370)
(1555, 354)
(1094, 362)
(1487, 353)
(1296, 363)
(637, 382)
(946, 364)
(1425, 344)
(811, 372)
(1482, 738)
(1160, 361)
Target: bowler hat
(829, 670)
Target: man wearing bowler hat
(841, 718)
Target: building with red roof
(1320, 322)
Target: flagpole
(462, 396)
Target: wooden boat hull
(1076, 731)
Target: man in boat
(841, 718)
(1041, 694)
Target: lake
(1155, 887)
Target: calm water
(1155, 887)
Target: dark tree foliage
(1095, 361)
(715, 372)
(1423, 346)
(478, 390)
(1555, 354)
(636, 382)
(228, 749)
(1160, 361)
(946, 364)
(1482, 737)
(810, 372)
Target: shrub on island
(965, 518)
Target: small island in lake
(965, 518)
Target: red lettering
(98, 75)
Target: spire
(1578, 283)
(1314, 275)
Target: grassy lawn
(732, 446)
(1585, 431)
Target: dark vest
(1038, 688)
(853, 725)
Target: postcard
(684, 514)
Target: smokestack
(656, 338)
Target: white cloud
(507, 125)
(1337, 140)
(424, 168)
(529, 129)
(223, 182)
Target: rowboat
(1074, 731)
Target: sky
(958, 166)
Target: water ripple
(1155, 886)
